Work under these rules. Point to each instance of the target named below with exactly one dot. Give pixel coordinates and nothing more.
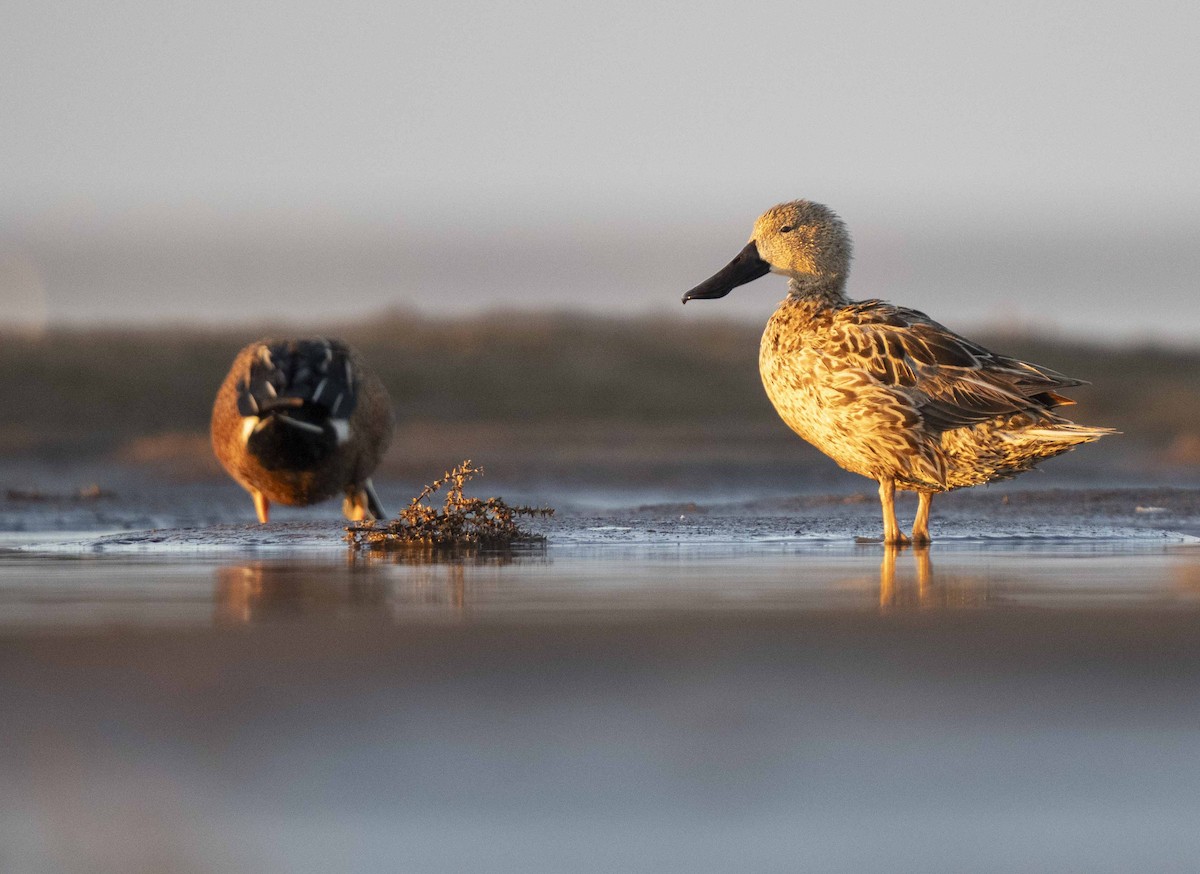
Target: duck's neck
(828, 291)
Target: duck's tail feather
(298, 396)
(309, 379)
(997, 450)
(1067, 433)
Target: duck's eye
(786, 229)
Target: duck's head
(802, 240)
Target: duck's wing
(950, 381)
(310, 376)
(296, 399)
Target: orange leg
(354, 507)
(261, 506)
(362, 503)
(887, 498)
(920, 529)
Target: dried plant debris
(461, 521)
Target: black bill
(746, 267)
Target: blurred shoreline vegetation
(559, 387)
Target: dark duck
(298, 421)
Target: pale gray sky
(218, 160)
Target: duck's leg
(261, 506)
(920, 529)
(354, 507)
(887, 498)
(373, 503)
(362, 503)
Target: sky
(1020, 164)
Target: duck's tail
(1066, 435)
(1001, 449)
(296, 399)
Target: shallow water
(595, 582)
(736, 687)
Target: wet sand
(667, 687)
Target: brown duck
(298, 421)
(883, 390)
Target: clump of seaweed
(461, 521)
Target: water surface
(658, 688)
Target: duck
(884, 390)
(297, 421)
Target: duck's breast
(818, 381)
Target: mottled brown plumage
(298, 421)
(885, 391)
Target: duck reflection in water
(279, 590)
(387, 584)
(922, 589)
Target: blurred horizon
(306, 265)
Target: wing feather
(949, 380)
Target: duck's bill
(746, 267)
